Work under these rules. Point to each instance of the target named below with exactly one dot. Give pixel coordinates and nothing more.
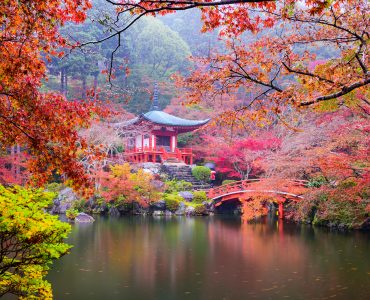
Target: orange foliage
(121, 185)
(44, 123)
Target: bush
(80, 205)
(316, 182)
(172, 201)
(348, 183)
(201, 173)
(54, 187)
(200, 209)
(199, 197)
(227, 181)
(174, 186)
(124, 203)
(350, 214)
(30, 240)
(71, 213)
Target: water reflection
(211, 258)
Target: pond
(211, 258)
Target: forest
(280, 88)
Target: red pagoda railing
(142, 154)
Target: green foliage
(184, 139)
(54, 187)
(348, 183)
(316, 182)
(201, 173)
(71, 213)
(200, 209)
(173, 186)
(227, 181)
(79, 205)
(199, 197)
(30, 240)
(350, 214)
(123, 202)
(172, 201)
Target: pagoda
(159, 143)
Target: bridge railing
(241, 185)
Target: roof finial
(155, 104)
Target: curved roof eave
(163, 118)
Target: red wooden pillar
(191, 159)
(281, 210)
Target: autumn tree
(242, 158)
(46, 124)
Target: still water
(211, 258)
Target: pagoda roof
(163, 118)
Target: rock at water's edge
(64, 201)
(84, 218)
(190, 211)
(181, 209)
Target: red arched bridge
(280, 190)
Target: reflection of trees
(211, 258)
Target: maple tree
(282, 68)
(45, 124)
(120, 185)
(242, 158)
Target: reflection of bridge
(243, 191)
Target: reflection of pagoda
(160, 144)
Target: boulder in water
(84, 218)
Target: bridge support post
(281, 210)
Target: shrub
(227, 181)
(172, 201)
(199, 197)
(79, 205)
(30, 240)
(201, 173)
(200, 209)
(123, 202)
(54, 187)
(316, 182)
(174, 186)
(71, 213)
(348, 183)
